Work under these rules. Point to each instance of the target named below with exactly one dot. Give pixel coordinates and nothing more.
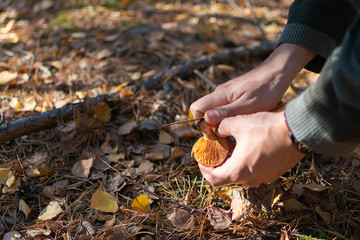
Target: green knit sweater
(326, 117)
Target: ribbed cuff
(311, 39)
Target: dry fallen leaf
(182, 219)
(6, 177)
(165, 137)
(7, 77)
(103, 54)
(127, 128)
(48, 191)
(51, 211)
(326, 217)
(115, 183)
(177, 152)
(141, 204)
(240, 208)
(300, 187)
(103, 201)
(13, 235)
(159, 152)
(109, 146)
(24, 208)
(59, 187)
(220, 219)
(32, 171)
(102, 111)
(82, 167)
(38, 233)
(294, 205)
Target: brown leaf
(294, 205)
(326, 217)
(102, 111)
(165, 137)
(38, 232)
(103, 54)
(99, 163)
(299, 188)
(177, 152)
(59, 187)
(240, 208)
(82, 168)
(24, 208)
(220, 219)
(115, 183)
(13, 235)
(146, 167)
(182, 219)
(183, 131)
(127, 128)
(38, 158)
(159, 152)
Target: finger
(240, 106)
(207, 102)
(228, 126)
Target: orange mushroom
(210, 150)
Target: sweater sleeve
(326, 117)
(319, 25)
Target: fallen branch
(40, 121)
(203, 62)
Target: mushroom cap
(209, 152)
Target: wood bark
(40, 121)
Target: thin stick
(185, 121)
(146, 190)
(203, 77)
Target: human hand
(261, 89)
(263, 150)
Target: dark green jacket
(326, 117)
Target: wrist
(299, 146)
(288, 60)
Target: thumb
(215, 116)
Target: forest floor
(113, 171)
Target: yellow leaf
(6, 177)
(119, 87)
(9, 38)
(103, 201)
(103, 111)
(141, 204)
(191, 116)
(24, 208)
(51, 211)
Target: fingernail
(213, 116)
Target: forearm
(327, 116)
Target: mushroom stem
(205, 128)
